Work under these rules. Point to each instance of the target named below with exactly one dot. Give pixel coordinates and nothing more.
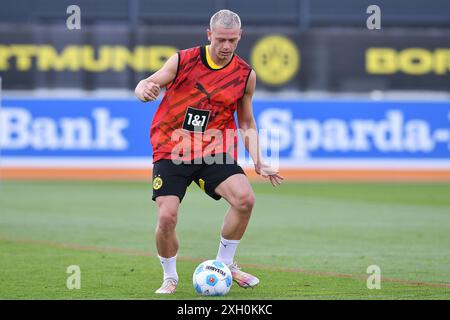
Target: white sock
(169, 266)
(227, 249)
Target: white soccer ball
(212, 278)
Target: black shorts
(173, 179)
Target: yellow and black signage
(312, 60)
(411, 61)
(276, 59)
(22, 57)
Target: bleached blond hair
(226, 19)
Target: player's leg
(169, 187)
(228, 180)
(167, 241)
(238, 192)
(166, 238)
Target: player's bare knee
(244, 202)
(167, 217)
(166, 222)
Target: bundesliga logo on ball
(212, 278)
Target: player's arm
(249, 133)
(148, 89)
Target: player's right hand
(147, 90)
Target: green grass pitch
(304, 241)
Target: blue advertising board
(299, 132)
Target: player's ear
(208, 33)
(240, 34)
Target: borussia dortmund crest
(157, 183)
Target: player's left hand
(267, 171)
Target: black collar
(205, 62)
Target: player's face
(223, 42)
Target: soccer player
(205, 86)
